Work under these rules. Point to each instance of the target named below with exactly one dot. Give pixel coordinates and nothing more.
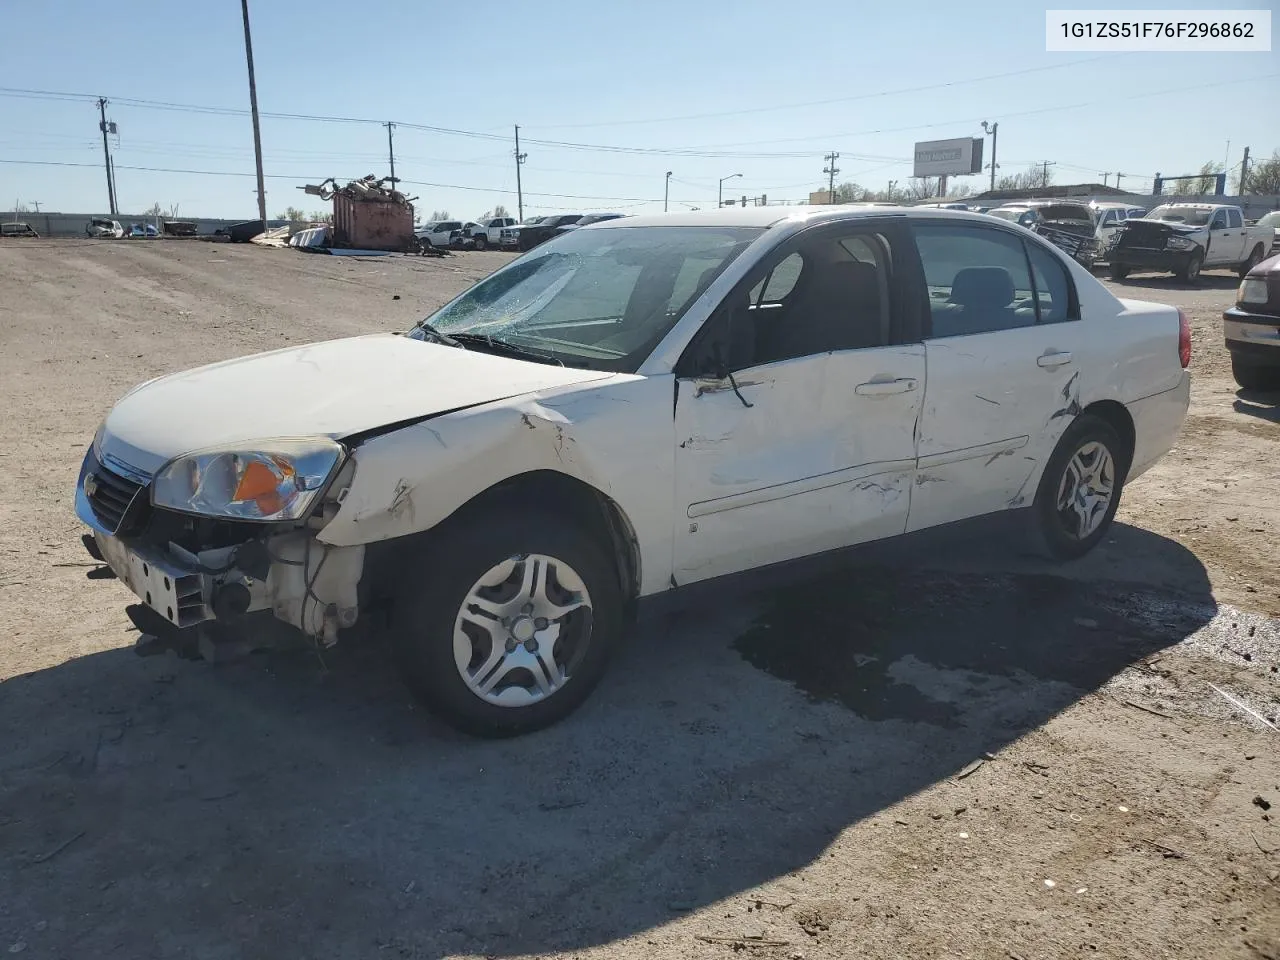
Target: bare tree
(851, 193)
(921, 188)
(1264, 176)
(155, 210)
(500, 211)
(1203, 183)
(320, 216)
(172, 214)
(1033, 178)
(440, 215)
(292, 214)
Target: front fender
(617, 438)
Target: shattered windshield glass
(1192, 216)
(601, 299)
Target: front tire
(1250, 376)
(506, 623)
(1119, 271)
(1191, 272)
(1080, 489)
(481, 243)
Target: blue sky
(742, 78)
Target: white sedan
(629, 409)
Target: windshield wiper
(504, 346)
(431, 335)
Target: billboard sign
(938, 158)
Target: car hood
(336, 388)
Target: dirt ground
(975, 755)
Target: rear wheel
(506, 624)
(1119, 271)
(1253, 376)
(481, 242)
(1080, 490)
(1255, 258)
(1191, 272)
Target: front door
(1004, 356)
(1226, 244)
(796, 407)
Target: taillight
(1184, 338)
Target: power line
(716, 114)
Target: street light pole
(253, 106)
(992, 131)
(666, 191)
(720, 196)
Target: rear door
(796, 405)
(1004, 350)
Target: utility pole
(1104, 177)
(992, 130)
(520, 157)
(831, 170)
(391, 152)
(1044, 180)
(106, 155)
(115, 195)
(892, 184)
(1118, 177)
(666, 191)
(253, 107)
(1244, 170)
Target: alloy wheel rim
(522, 630)
(1086, 490)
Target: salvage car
(104, 228)
(529, 235)
(1064, 223)
(634, 409)
(1252, 328)
(17, 228)
(1183, 238)
(587, 220)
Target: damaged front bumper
(303, 582)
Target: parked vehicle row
(504, 232)
(642, 405)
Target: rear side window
(1053, 285)
(978, 279)
(1234, 219)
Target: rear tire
(1191, 272)
(1252, 376)
(1255, 258)
(481, 243)
(1119, 271)
(454, 609)
(1080, 490)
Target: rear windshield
(1192, 216)
(601, 299)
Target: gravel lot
(980, 756)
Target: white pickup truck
(1183, 238)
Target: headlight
(1253, 290)
(1181, 243)
(278, 481)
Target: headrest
(982, 288)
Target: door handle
(1054, 359)
(884, 388)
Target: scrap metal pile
(368, 214)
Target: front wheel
(507, 623)
(1191, 272)
(481, 243)
(1119, 271)
(1251, 376)
(1080, 490)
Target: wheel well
(577, 502)
(1120, 420)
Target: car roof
(770, 216)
